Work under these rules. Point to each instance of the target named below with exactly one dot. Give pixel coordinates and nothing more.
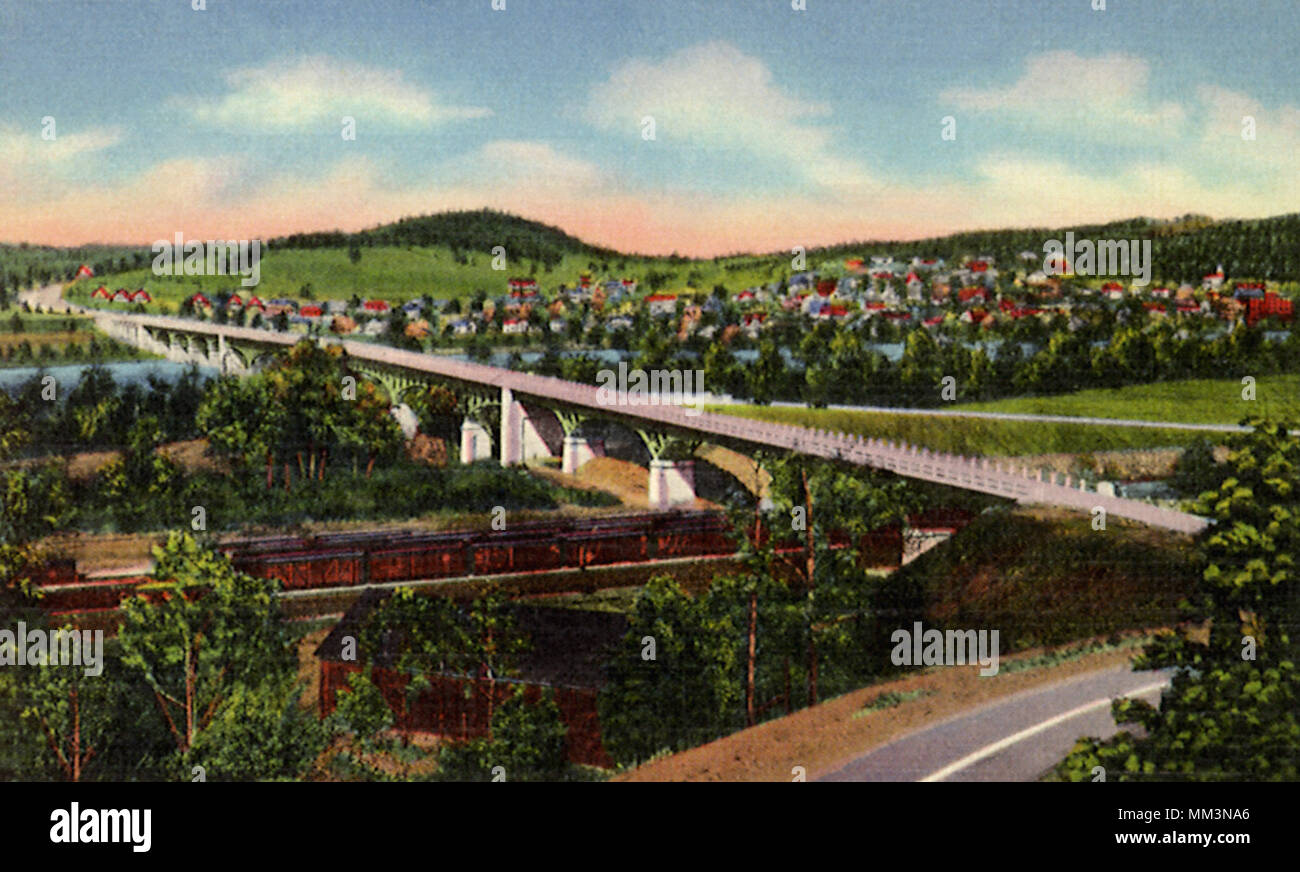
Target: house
(826, 287)
(235, 303)
(84, 272)
(124, 296)
(374, 328)
(514, 325)
(342, 325)
(1249, 290)
(1027, 256)
(974, 316)
(464, 327)
(800, 282)
(1213, 281)
(853, 264)
(933, 322)
(836, 311)
(914, 286)
(255, 303)
(376, 307)
(284, 303)
(1160, 293)
(927, 263)
(413, 307)
(1270, 305)
(745, 297)
(102, 293)
(198, 300)
(557, 325)
(417, 329)
(141, 296)
(971, 295)
(311, 312)
(661, 304)
(619, 322)
(1113, 291)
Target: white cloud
(713, 95)
(26, 148)
(1104, 96)
(320, 90)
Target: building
(661, 304)
(566, 655)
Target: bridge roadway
(981, 474)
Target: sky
(703, 127)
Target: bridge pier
(578, 450)
(520, 439)
(475, 443)
(672, 483)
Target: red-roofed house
(84, 272)
(972, 294)
(1213, 281)
(661, 304)
(201, 301)
(103, 293)
(378, 306)
(122, 295)
(141, 296)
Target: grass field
(27, 339)
(1196, 401)
(398, 274)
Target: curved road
(1017, 738)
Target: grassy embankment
(1201, 401)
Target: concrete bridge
(526, 400)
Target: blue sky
(772, 126)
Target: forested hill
(480, 231)
(1181, 249)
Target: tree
(1233, 710)
(683, 695)
(71, 711)
(200, 631)
(527, 742)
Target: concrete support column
(578, 450)
(221, 353)
(512, 436)
(672, 483)
(475, 443)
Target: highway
(1017, 738)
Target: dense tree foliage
(1233, 711)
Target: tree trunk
(302, 470)
(370, 465)
(749, 670)
(324, 457)
(812, 581)
(270, 470)
(286, 475)
(76, 737)
(311, 461)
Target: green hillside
(451, 255)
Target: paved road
(1013, 739)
